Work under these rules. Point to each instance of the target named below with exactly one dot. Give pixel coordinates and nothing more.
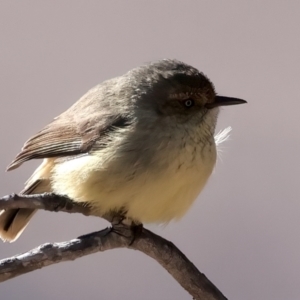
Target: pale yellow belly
(149, 197)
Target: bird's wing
(68, 135)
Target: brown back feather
(66, 137)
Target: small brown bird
(142, 143)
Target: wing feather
(78, 129)
(67, 137)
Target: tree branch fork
(119, 235)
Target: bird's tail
(14, 221)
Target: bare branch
(178, 265)
(118, 236)
(46, 201)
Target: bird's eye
(189, 103)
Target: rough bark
(119, 235)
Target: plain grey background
(243, 231)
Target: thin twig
(118, 236)
(46, 201)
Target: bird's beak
(222, 101)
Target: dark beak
(222, 101)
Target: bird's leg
(126, 227)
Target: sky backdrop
(243, 230)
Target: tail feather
(14, 221)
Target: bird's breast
(150, 186)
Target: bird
(142, 144)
